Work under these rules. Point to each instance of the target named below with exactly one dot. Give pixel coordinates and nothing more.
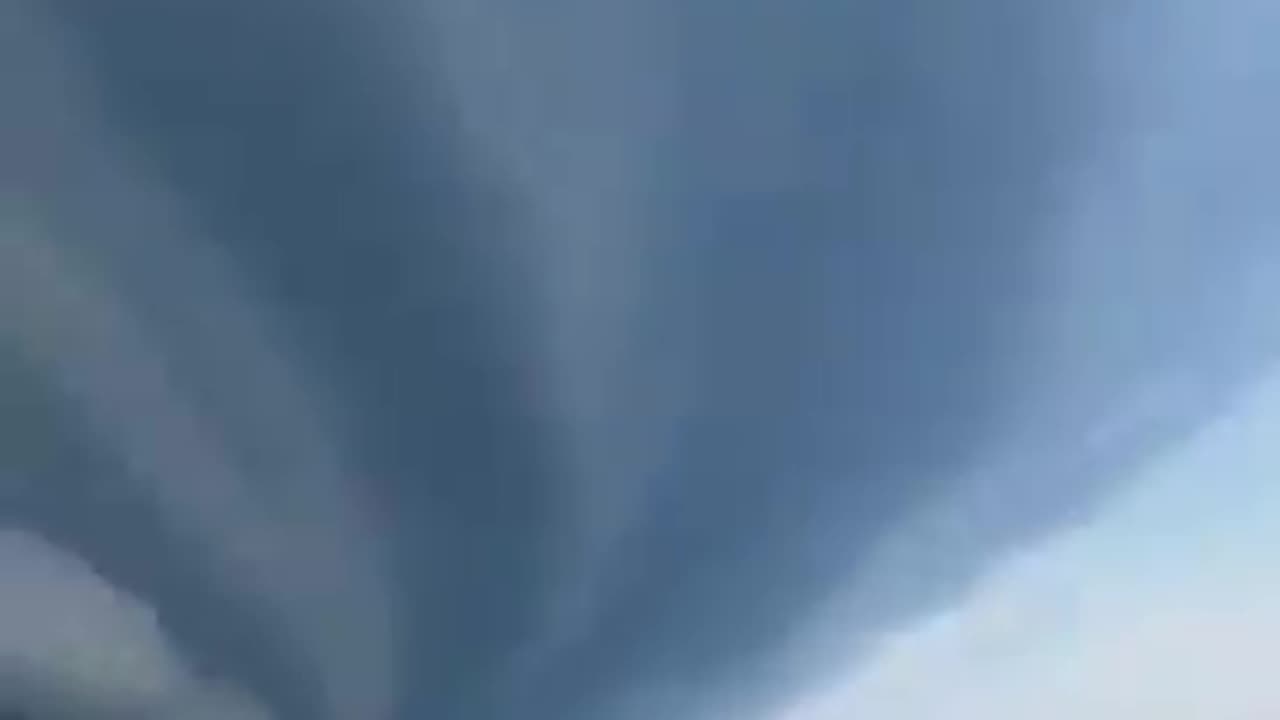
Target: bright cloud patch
(1167, 606)
(71, 642)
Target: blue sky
(1164, 605)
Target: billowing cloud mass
(640, 358)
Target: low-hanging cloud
(648, 343)
(144, 335)
(1159, 322)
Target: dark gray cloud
(842, 234)
(859, 204)
(314, 162)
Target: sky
(454, 359)
(1163, 605)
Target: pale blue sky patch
(1167, 605)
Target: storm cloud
(478, 360)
